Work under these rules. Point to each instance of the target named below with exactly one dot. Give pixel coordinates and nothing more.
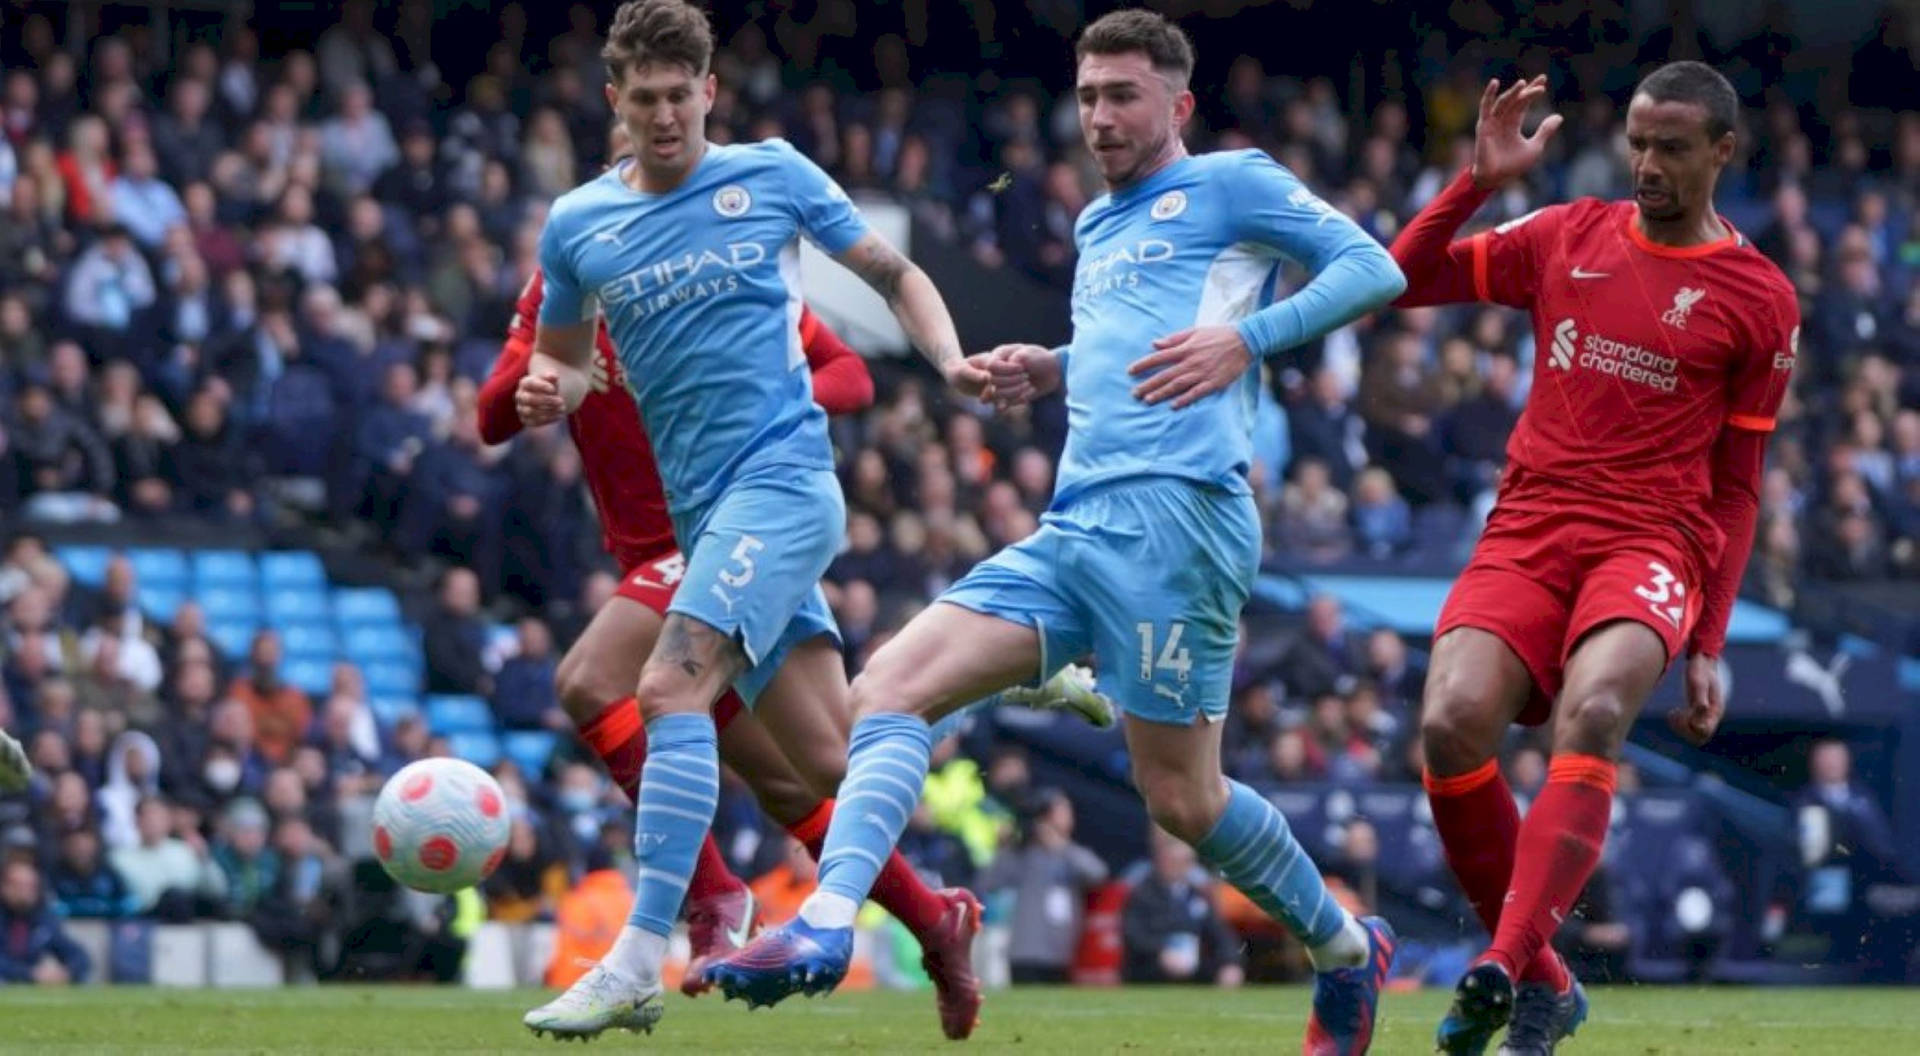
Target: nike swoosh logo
(741, 932)
(1582, 273)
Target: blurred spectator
(524, 696)
(140, 201)
(1049, 876)
(1323, 654)
(83, 884)
(1382, 523)
(1313, 516)
(456, 637)
(133, 775)
(110, 285)
(531, 879)
(169, 878)
(250, 867)
(1170, 930)
(33, 946)
(281, 713)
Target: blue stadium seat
(530, 750)
(387, 678)
(86, 564)
(314, 640)
(309, 675)
(452, 713)
(287, 605)
(229, 603)
(357, 605)
(388, 710)
(232, 637)
(292, 568)
(158, 567)
(479, 747)
(160, 602)
(364, 643)
(223, 568)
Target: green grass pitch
(1627, 1021)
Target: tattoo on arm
(911, 296)
(880, 265)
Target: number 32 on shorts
(1664, 594)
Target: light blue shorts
(1149, 576)
(755, 556)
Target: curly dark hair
(649, 31)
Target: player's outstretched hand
(1501, 152)
(537, 400)
(1706, 702)
(1020, 374)
(967, 377)
(1192, 365)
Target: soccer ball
(440, 825)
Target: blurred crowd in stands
(254, 281)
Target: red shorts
(652, 583)
(1541, 581)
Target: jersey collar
(1639, 238)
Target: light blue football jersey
(1198, 243)
(701, 291)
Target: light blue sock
(886, 770)
(679, 787)
(1254, 849)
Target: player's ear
(1183, 104)
(1723, 149)
(711, 87)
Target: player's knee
(665, 691)
(584, 689)
(1592, 722)
(1457, 732)
(1186, 808)
(876, 692)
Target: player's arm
(830, 219)
(1739, 460)
(918, 306)
(499, 418)
(1496, 266)
(841, 382)
(1352, 275)
(563, 336)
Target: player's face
(1130, 115)
(1674, 159)
(664, 107)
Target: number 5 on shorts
(1173, 656)
(743, 552)
(1664, 587)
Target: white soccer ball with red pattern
(440, 825)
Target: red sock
(1558, 847)
(899, 889)
(1479, 825)
(619, 738)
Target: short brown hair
(654, 31)
(1165, 44)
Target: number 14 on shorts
(1171, 655)
(1664, 594)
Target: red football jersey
(616, 456)
(626, 486)
(1643, 353)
